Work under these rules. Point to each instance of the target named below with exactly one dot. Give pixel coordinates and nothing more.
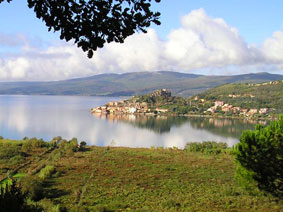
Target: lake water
(68, 116)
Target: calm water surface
(68, 116)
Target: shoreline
(192, 115)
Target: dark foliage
(260, 152)
(12, 199)
(93, 23)
(32, 187)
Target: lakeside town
(133, 106)
(136, 105)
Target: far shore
(195, 115)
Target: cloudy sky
(198, 36)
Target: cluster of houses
(122, 107)
(235, 110)
(267, 83)
(132, 106)
(238, 95)
(127, 107)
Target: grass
(127, 179)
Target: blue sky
(251, 31)
(255, 20)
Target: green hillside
(129, 84)
(253, 100)
(261, 95)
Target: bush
(73, 145)
(260, 152)
(32, 187)
(46, 172)
(48, 206)
(79, 208)
(16, 159)
(9, 151)
(32, 144)
(55, 141)
(82, 146)
(207, 147)
(69, 147)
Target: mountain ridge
(135, 83)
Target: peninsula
(246, 100)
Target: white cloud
(202, 42)
(273, 48)
(59, 62)
(140, 52)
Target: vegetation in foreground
(260, 157)
(63, 176)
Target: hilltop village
(239, 100)
(134, 105)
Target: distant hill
(128, 84)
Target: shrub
(32, 187)
(207, 147)
(83, 146)
(57, 139)
(79, 208)
(260, 152)
(69, 146)
(32, 143)
(48, 205)
(16, 159)
(73, 144)
(9, 151)
(46, 172)
(181, 109)
(63, 143)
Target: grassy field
(127, 179)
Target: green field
(127, 179)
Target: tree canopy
(92, 23)
(260, 157)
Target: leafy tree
(12, 199)
(83, 146)
(73, 144)
(92, 23)
(260, 157)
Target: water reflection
(159, 124)
(49, 116)
(163, 124)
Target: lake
(69, 116)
